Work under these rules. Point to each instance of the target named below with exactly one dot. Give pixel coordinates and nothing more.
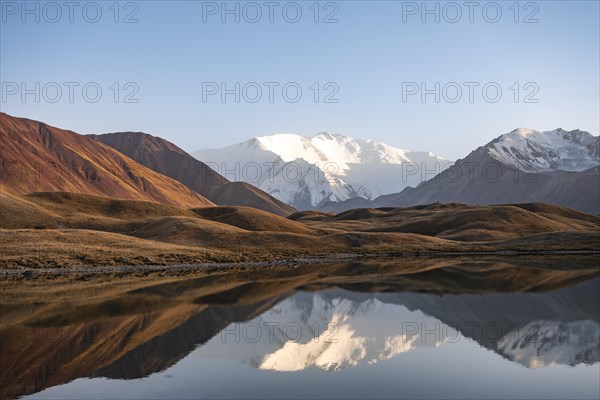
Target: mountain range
(37, 157)
(334, 173)
(309, 172)
(284, 172)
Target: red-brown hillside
(37, 157)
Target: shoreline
(289, 263)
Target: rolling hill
(60, 229)
(66, 229)
(458, 222)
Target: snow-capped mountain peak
(306, 171)
(291, 147)
(327, 135)
(530, 150)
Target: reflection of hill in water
(136, 344)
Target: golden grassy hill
(458, 221)
(58, 228)
(252, 219)
(69, 229)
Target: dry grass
(73, 230)
(457, 221)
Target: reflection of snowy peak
(534, 151)
(334, 329)
(305, 171)
(312, 330)
(546, 343)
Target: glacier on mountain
(306, 171)
(529, 150)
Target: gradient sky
(368, 54)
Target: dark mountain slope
(164, 157)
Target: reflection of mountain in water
(325, 330)
(336, 329)
(370, 327)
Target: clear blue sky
(368, 54)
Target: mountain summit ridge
(308, 171)
(556, 167)
(529, 150)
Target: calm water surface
(332, 343)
